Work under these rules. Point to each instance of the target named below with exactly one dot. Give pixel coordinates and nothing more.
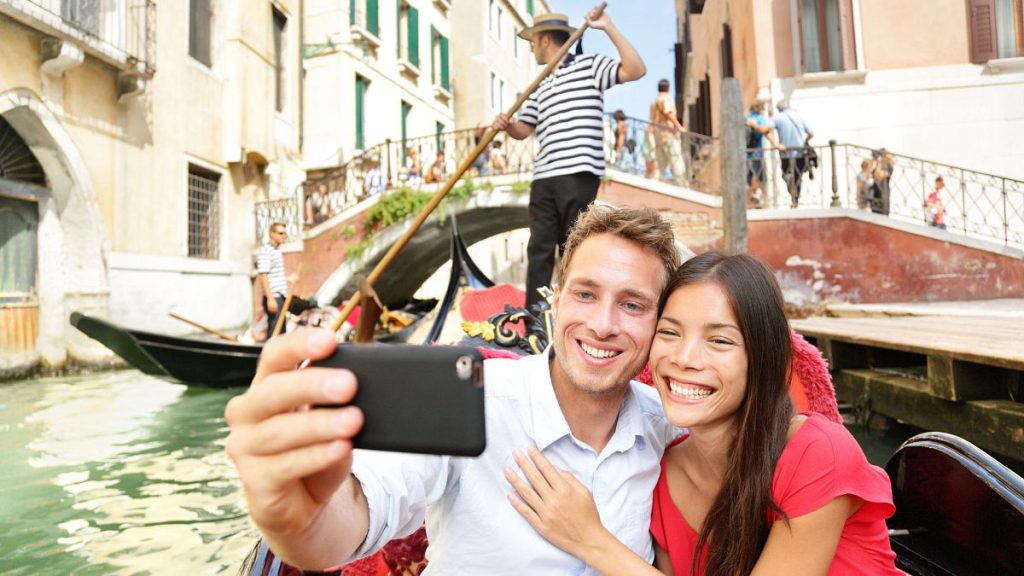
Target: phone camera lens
(464, 367)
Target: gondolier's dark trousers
(272, 316)
(555, 202)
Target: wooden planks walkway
(958, 374)
(984, 340)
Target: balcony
(121, 33)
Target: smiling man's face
(605, 312)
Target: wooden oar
(489, 135)
(282, 313)
(213, 331)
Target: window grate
(203, 213)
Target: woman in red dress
(754, 487)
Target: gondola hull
(188, 360)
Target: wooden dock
(958, 374)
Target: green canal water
(121, 473)
(117, 473)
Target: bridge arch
(478, 218)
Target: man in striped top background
(566, 115)
(270, 267)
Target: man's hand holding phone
(291, 460)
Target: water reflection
(117, 473)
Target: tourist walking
(794, 136)
(566, 114)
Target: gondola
(223, 364)
(188, 360)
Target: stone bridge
(819, 254)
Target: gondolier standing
(566, 113)
(270, 268)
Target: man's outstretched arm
(631, 66)
(294, 463)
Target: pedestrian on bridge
(795, 137)
(566, 113)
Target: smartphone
(421, 399)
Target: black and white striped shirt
(270, 261)
(567, 113)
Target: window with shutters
(826, 35)
(280, 59)
(996, 29)
(700, 111)
(439, 59)
(408, 34)
(362, 87)
(725, 52)
(203, 213)
(200, 19)
(406, 112)
(364, 15)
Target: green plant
(394, 207)
(348, 231)
(358, 249)
(521, 187)
(465, 189)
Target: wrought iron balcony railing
(120, 32)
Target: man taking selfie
(319, 505)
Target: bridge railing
(658, 152)
(976, 204)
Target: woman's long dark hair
(736, 527)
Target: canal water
(117, 473)
(121, 473)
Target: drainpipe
(302, 75)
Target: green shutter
(438, 129)
(444, 63)
(529, 7)
(414, 36)
(360, 110)
(399, 7)
(372, 25)
(352, 12)
(406, 108)
(433, 56)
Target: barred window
(203, 213)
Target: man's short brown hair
(644, 226)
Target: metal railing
(414, 163)
(658, 152)
(976, 204)
(122, 29)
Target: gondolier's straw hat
(545, 22)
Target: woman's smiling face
(698, 357)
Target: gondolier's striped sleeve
(528, 113)
(606, 72)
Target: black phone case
(417, 398)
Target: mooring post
(733, 153)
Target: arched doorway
(56, 251)
(22, 183)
